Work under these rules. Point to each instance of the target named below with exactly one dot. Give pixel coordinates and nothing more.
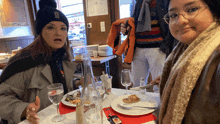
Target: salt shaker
(142, 83)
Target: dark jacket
(169, 42)
(162, 8)
(204, 104)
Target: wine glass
(126, 79)
(55, 94)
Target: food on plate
(75, 101)
(74, 98)
(131, 99)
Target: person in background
(189, 85)
(47, 60)
(153, 40)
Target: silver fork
(125, 107)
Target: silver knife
(138, 88)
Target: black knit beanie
(48, 13)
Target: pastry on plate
(131, 99)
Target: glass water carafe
(90, 98)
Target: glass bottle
(90, 97)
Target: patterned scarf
(181, 72)
(57, 68)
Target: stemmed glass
(126, 79)
(55, 94)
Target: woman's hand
(30, 111)
(156, 81)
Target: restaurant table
(46, 114)
(99, 60)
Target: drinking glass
(100, 89)
(126, 79)
(55, 94)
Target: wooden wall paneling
(114, 10)
(94, 34)
(117, 64)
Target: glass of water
(100, 89)
(55, 94)
(126, 79)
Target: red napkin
(128, 119)
(65, 109)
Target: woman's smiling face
(184, 28)
(55, 34)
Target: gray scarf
(144, 19)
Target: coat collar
(47, 73)
(69, 69)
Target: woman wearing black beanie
(45, 61)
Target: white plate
(145, 101)
(66, 102)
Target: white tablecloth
(46, 114)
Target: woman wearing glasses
(190, 83)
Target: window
(14, 19)
(126, 9)
(74, 11)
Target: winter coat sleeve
(11, 93)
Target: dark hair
(214, 8)
(39, 46)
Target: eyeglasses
(190, 12)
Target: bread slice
(131, 99)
